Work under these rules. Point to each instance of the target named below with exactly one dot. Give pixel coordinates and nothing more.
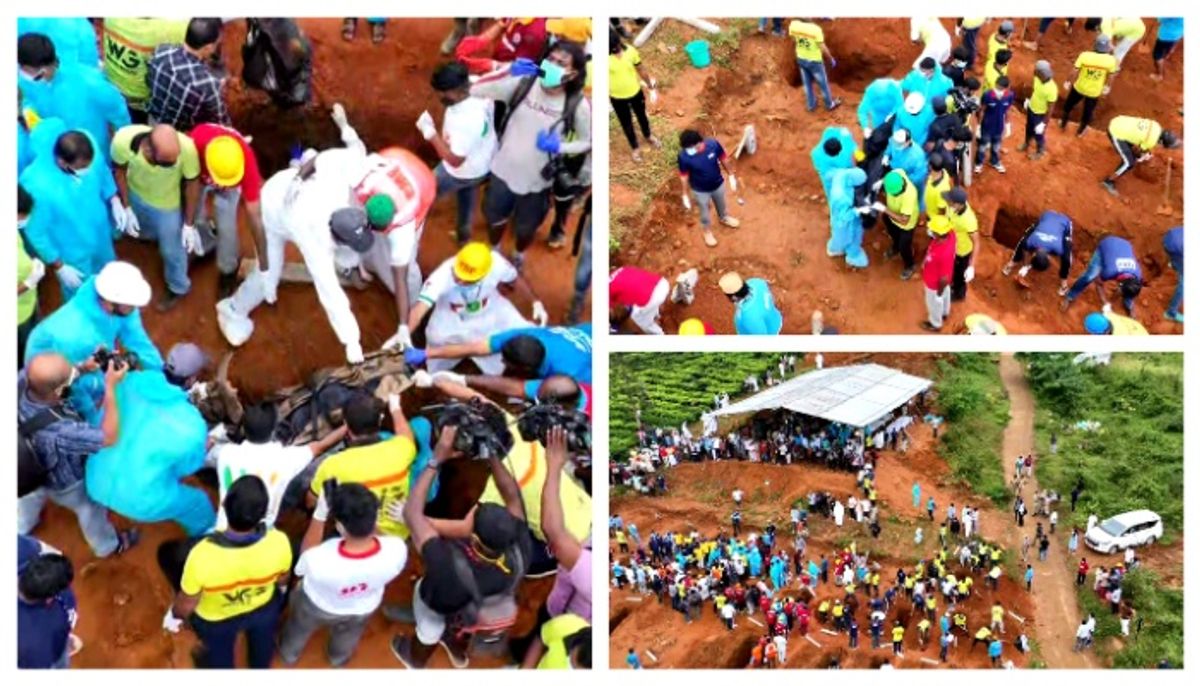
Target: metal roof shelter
(858, 395)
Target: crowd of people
(923, 138)
(135, 145)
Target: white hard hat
(121, 283)
(914, 103)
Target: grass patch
(658, 167)
(973, 400)
(1161, 610)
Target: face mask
(26, 77)
(692, 150)
(21, 223)
(552, 74)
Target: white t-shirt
(441, 290)
(274, 463)
(469, 131)
(347, 584)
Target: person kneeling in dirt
(1135, 134)
(1113, 260)
(1050, 235)
(477, 563)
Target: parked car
(1127, 530)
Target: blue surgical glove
(414, 356)
(524, 67)
(549, 142)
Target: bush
(971, 396)
(1159, 608)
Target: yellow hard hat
(859, 155)
(692, 327)
(473, 262)
(225, 160)
(578, 30)
(939, 224)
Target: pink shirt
(939, 262)
(632, 286)
(572, 590)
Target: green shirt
(156, 186)
(129, 42)
(27, 301)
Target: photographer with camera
(103, 316)
(473, 566)
(60, 442)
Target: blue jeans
(776, 24)
(467, 191)
(813, 72)
(165, 227)
(1089, 275)
(1177, 299)
(969, 37)
(218, 638)
(226, 203)
(583, 267)
(986, 141)
(93, 517)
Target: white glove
(1040, 128)
(653, 96)
(426, 126)
(70, 276)
(687, 202)
(1066, 85)
(887, 160)
(354, 353)
(879, 207)
(1025, 104)
(1106, 90)
(653, 84)
(402, 339)
(539, 313)
(395, 511)
(1007, 129)
(393, 402)
(191, 240)
(733, 182)
(339, 115)
(219, 433)
(864, 210)
(1007, 269)
(37, 269)
(1023, 272)
(270, 287)
(1107, 309)
(867, 132)
(876, 186)
(422, 379)
(450, 377)
(958, 30)
(120, 218)
(171, 622)
(133, 228)
(978, 131)
(969, 274)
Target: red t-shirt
(632, 286)
(252, 181)
(522, 40)
(939, 262)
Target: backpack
(483, 610)
(31, 472)
(277, 58)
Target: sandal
(349, 28)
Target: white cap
(901, 136)
(914, 103)
(122, 283)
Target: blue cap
(1097, 324)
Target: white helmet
(914, 103)
(121, 283)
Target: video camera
(483, 432)
(966, 103)
(536, 422)
(103, 356)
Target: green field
(972, 398)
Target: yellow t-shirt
(527, 462)
(554, 634)
(620, 536)
(1125, 326)
(995, 46)
(623, 79)
(897, 634)
(382, 467)
(964, 225)
(808, 37)
(129, 42)
(992, 73)
(1132, 28)
(1144, 133)
(1044, 94)
(935, 204)
(234, 581)
(924, 625)
(997, 614)
(1094, 70)
(907, 203)
(983, 634)
(973, 22)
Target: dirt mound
(785, 220)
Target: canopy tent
(858, 395)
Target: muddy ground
(785, 221)
(384, 89)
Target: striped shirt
(62, 447)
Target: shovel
(1165, 208)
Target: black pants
(23, 331)
(1032, 121)
(902, 241)
(958, 289)
(1089, 108)
(172, 555)
(1126, 153)
(626, 109)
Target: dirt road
(1057, 615)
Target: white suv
(1128, 530)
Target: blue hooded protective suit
(915, 82)
(823, 163)
(84, 99)
(881, 99)
(845, 225)
(76, 329)
(161, 440)
(71, 219)
(754, 561)
(778, 573)
(38, 139)
(74, 38)
(912, 160)
(916, 124)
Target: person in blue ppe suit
(845, 217)
(778, 573)
(528, 353)
(928, 80)
(755, 312)
(139, 477)
(904, 154)
(754, 561)
(104, 313)
(1049, 235)
(71, 226)
(1113, 260)
(81, 96)
(834, 151)
(915, 116)
(74, 38)
(1173, 244)
(882, 99)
